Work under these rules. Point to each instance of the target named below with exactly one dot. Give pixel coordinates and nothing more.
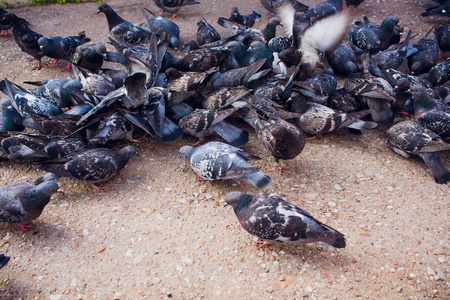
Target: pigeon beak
(61, 192)
(98, 11)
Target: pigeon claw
(263, 243)
(24, 226)
(55, 63)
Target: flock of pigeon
(282, 86)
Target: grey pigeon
(204, 122)
(217, 160)
(24, 202)
(410, 138)
(122, 29)
(172, 6)
(283, 140)
(93, 166)
(246, 20)
(206, 33)
(273, 219)
(3, 260)
(431, 113)
(317, 119)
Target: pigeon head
(104, 8)
(128, 152)
(40, 195)
(238, 200)
(186, 151)
(419, 95)
(9, 113)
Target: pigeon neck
(243, 204)
(113, 19)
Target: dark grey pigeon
(206, 33)
(62, 47)
(122, 29)
(317, 118)
(3, 260)
(93, 166)
(217, 160)
(431, 113)
(343, 61)
(172, 6)
(440, 10)
(283, 140)
(427, 55)
(410, 138)
(204, 122)
(273, 219)
(160, 25)
(26, 39)
(274, 5)
(56, 90)
(24, 202)
(246, 20)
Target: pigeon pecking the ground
(409, 137)
(217, 160)
(273, 219)
(93, 166)
(24, 202)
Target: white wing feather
(324, 36)
(286, 14)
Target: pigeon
(206, 33)
(323, 36)
(116, 127)
(246, 20)
(374, 38)
(199, 60)
(62, 47)
(203, 122)
(323, 10)
(21, 96)
(56, 90)
(318, 87)
(3, 260)
(6, 24)
(93, 166)
(396, 58)
(258, 50)
(279, 43)
(439, 74)
(273, 5)
(122, 29)
(410, 138)
(431, 113)
(318, 119)
(272, 219)
(280, 138)
(24, 202)
(440, 10)
(343, 61)
(159, 25)
(172, 6)
(427, 57)
(33, 147)
(91, 56)
(243, 33)
(239, 77)
(26, 39)
(217, 160)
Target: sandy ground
(156, 231)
